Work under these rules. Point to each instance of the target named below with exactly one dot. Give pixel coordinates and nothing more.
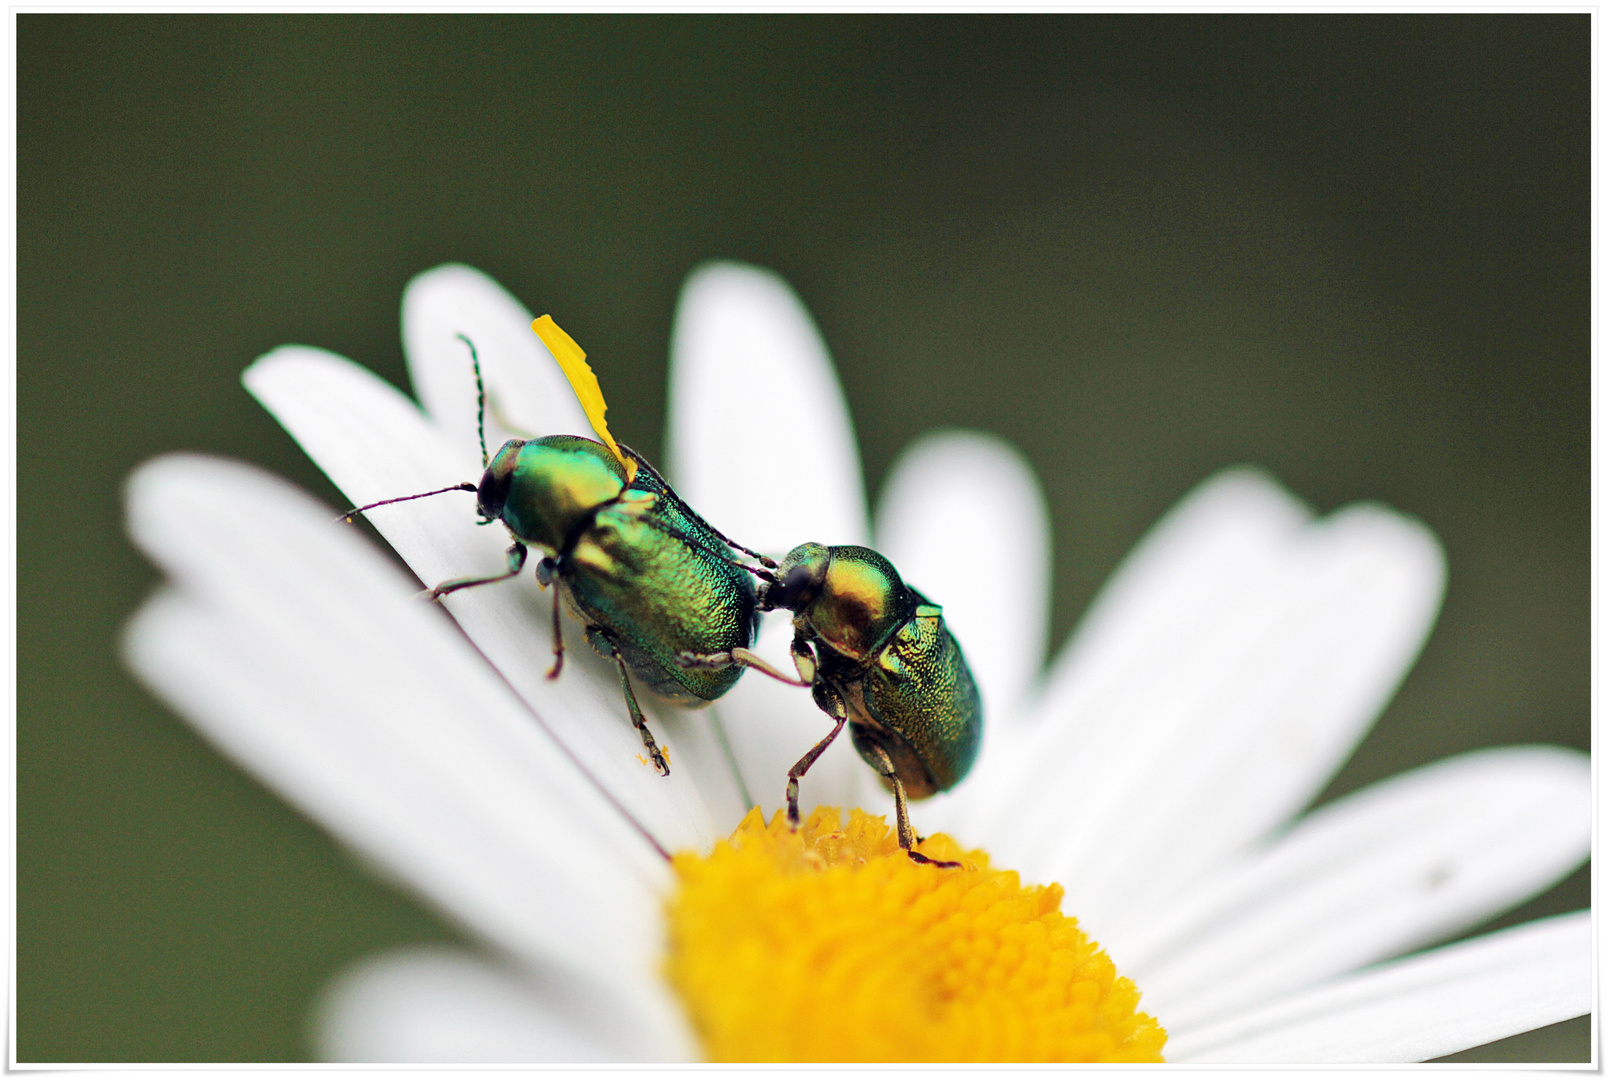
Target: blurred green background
(1353, 250)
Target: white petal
(1325, 645)
(760, 443)
(963, 519)
(374, 443)
(293, 646)
(446, 1005)
(1390, 868)
(1249, 658)
(522, 379)
(759, 437)
(1423, 1007)
(1187, 562)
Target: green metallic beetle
(644, 573)
(878, 657)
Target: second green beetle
(878, 657)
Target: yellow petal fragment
(828, 944)
(572, 361)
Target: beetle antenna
(692, 541)
(480, 385)
(764, 560)
(350, 514)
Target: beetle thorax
(861, 604)
(556, 488)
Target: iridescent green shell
(636, 561)
(901, 672)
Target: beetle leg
(516, 563)
(803, 767)
(603, 642)
(546, 573)
(739, 655)
(558, 641)
(907, 835)
(840, 712)
(803, 659)
(712, 660)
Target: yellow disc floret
(829, 944)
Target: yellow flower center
(828, 944)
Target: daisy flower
(1156, 769)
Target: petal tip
(278, 363)
(1402, 548)
(450, 276)
(725, 288)
(153, 478)
(731, 271)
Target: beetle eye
(497, 479)
(798, 580)
(789, 591)
(493, 493)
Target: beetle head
(494, 483)
(798, 580)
